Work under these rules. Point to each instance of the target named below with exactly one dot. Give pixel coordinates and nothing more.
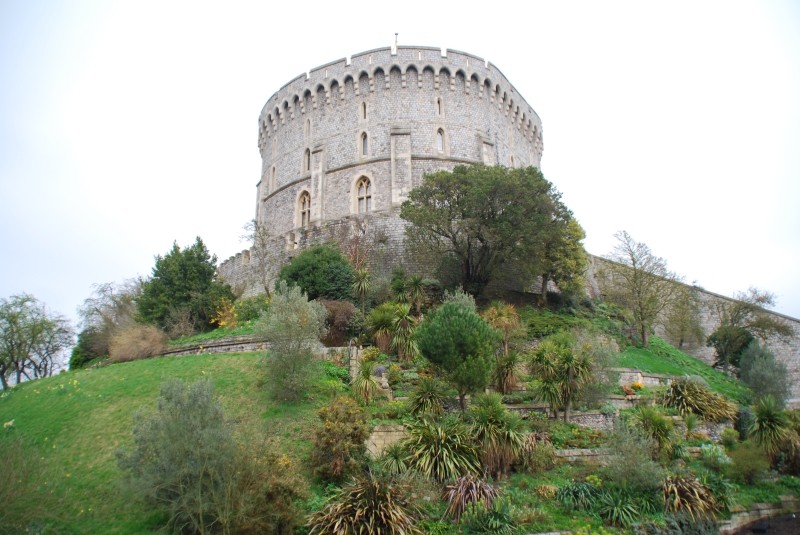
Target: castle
(348, 140)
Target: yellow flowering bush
(636, 385)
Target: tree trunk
(644, 336)
(543, 296)
(566, 409)
(462, 401)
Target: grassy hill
(75, 422)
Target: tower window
(305, 208)
(364, 145)
(308, 128)
(307, 161)
(364, 110)
(440, 140)
(364, 189)
(438, 106)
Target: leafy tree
(682, 324)
(293, 326)
(740, 320)
(321, 271)
(563, 258)
(461, 344)
(32, 339)
(183, 279)
(638, 280)
(763, 374)
(564, 369)
(485, 218)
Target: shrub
(749, 463)
(442, 450)
(84, 350)
(763, 374)
(547, 492)
(466, 491)
(364, 385)
(374, 501)
(320, 271)
(428, 398)
(686, 395)
(249, 309)
(461, 298)
(632, 462)
(687, 494)
(292, 327)
(608, 409)
(137, 342)
(337, 320)
(713, 456)
(186, 462)
(498, 431)
(769, 426)
(336, 372)
(654, 425)
(371, 353)
(537, 453)
(678, 524)
(339, 441)
(380, 324)
(729, 437)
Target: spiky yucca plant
(499, 432)
(654, 425)
(380, 325)
(769, 426)
(394, 459)
(369, 504)
(686, 493)
(687, 395)
(442, 450)
(692, 422)
(364, 384)
(466, 491)
(428, 398)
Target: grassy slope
(663, 358)
(78, 419)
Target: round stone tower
(353, 137)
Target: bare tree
(32, 339)
(639, 281)
(261, 248)
(110, 309)
(682, 324)
(357, 238)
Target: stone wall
(383, 436)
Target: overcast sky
(127, 125)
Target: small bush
(394, 459)
(749, 463)
(687, 494)
(680, 524)
(578, 496)
(632, 462)
(336, 372)
(499, 518)
(137, 342)
(713, 456)
(374, 501)
(337, 320)
(729, 437)
(428, 398)
(364, 385)
(687, 395)
(321, 271)
(538, 452)
(442, 450)
(339, 441)
(617, 507)
(608, 409)
(249, 309)
(548, 492)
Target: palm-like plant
(394, 459)
(428, 398)
(499, 432)
(442, 450)
(506, 373)
(769, 426)
(380, 325)
(654, 425)
(692, 422)
(369, 504)
(403, 327)
(686, 493)
(364, 385)
(361, 287)
(503, 318)
(561, 366)
(415, 292)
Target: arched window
(304, 204)
(440, 140)
(364, 145)
(364, 192)
(307, 161)
(364, 110)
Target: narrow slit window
(364, 110)
(364, 145)
(440, 141)
(305, 209)
(438, 106)
(364, 189)
(307, 161)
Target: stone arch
(460, 84)
(475, 85)
(302, 211)
(363, 84)
(336, 93)
(413, 78)
(308, 102)
(380, 80)
(427, 79)
(445, 78)
(395, 79)
(322, 97)
(285, 113)
(349, 88)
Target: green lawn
(663, 358)
(75, 422)
(212, 335)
